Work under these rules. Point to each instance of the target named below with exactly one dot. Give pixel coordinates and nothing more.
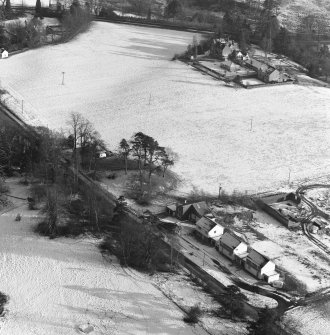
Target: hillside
(292, 10)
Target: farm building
(239, 55)
(260, 266)
(229, 66)
(246, 57)
(226, 51)
(3, 53)
(192, 212)
(171, 209)
(208, 228)
(271, 75)
(233, 247)
(256, 65)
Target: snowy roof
(226, 51)
(216, 232)
(230, 240)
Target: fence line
(16, 103)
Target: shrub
(3, 302)
(136, 245)
(193, 315)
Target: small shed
(3, 53)
(171, 209)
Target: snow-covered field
(120, 77)
(57, 286)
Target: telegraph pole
(63, 73)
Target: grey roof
(172, 207)
(201, 207)
(230, 240)
(257, 258)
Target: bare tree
(169, 159)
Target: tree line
(32, 33)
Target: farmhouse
(207, 227)
(226, 51)
(232, 247)
(3, 53)
(260, 266)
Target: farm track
(314, 212)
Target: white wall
(240, 249)
(30, 3)
(268, 268)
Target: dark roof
(257, 258)
(231, 240)
(201, 207)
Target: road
(314, 212)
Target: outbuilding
(192, 212)
(229, 66)
(3, 53)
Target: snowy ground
(55, 286)
(121, 78)
(310, 320)
(293, 252)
